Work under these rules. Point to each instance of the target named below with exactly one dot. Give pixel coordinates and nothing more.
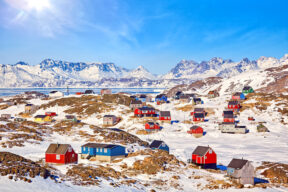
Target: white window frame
(105, 150)
(57, 157)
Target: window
(57, 157)
(105, 150)
(70, 149)
(97, 149)
(210, 151)
(73, 155)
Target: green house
(247, 89)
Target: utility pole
(67, 90)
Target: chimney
(58, 145)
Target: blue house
(161, 98)
(102, 152)
(157, 144)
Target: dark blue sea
(16, 91)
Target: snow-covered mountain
(53, 73)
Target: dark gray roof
(70, 116)
(146, 108)
(237, 163)
(195, 127)
(109, 116)
(99, 145)
(240, 126)
(40, 116)
(165, 113)
(136, 102)
(143, 96)
(53, 91)
(233, 103)
(89, 91)
(160, 95)
(237, 94)
(57, 148)
(151, 123)
(247, 87)
(200, 150)
(199, 115)
(199, 110)
(29, 104)
(228, 112)
(156, 144)
(228, 116)
(196, 99)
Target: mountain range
(55, 73)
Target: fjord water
(16, 91)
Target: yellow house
(42, 118)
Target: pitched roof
(136, 102)
(109, 116)
(199, 115)
(160, 95)
(228, 112)
(247, 87)
(40, 116)
(70, 116)
(201, 150)
(99, 145)
(237, 163)
(146, 108)
(196, 99)
(178, 93)
(196, 110)
(228, 116)
(237, 94)
(195, 127)
(89, 91)
(165, 113)
(57, 148)
(54, 91)
(156, 144)
(29, 104)
(233, 103)
(143, 96)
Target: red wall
(226, 120)
(198, 119)
(164, 118)
(211, 158)
(64, 159)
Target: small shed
(71, 118)
(196, 130)
(157, 144)
(109, 120)
(165, 116)
(241, 170)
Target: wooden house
(109, 120)
(42, 119)
(89, 91)
(30, 108)
(238, 96)
(157, 144)
(178, 94)
(229, 127)
(228, 117)
(6, 116)
(234, 106)
(56, 94)
(71, 118)
(145, 112)
(102, 152)
(247, 89)
(136, 104)
(196, 130)
(198, 117)
(165, 116)
(152, 126)
(18, 119)
(105, 91)
(162, 98)
(197, 101)
(213, 94)
(241, 170)
(185, 98)
(198, 110)
(60, 154)
(204, 157)
(79, 93)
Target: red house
(198, 117)
(234, 105)
(229, 118)
(51, 114)
(144, 112)
(195, 130)
(79, 93)
(151, 126)
(165, 116)
(198, 110)
(60, 154)
(204, 157)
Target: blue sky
(154, 33)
